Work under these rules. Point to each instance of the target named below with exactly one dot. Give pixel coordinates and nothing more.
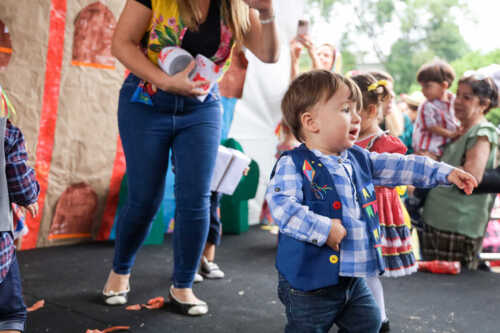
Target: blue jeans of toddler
(12, 309)
(348, 304)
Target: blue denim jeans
(192, 130)
(12, 309)
(349, 304)
(215, 229)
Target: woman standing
(158, 112)
(455, 223)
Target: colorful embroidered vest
(305, 265)
(167, 29)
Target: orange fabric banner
(108, 217)
(5, 50)
(48, 116)
(88, 64)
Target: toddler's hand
(337, 233)
(458, 133)
(464, 180)
(33, 209)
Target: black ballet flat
(385, 327)
(113, 298)
(187, 309)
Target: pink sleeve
(430, 116)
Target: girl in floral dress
(395, 235)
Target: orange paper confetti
(110, 329)
(153, 303)
(135, 307)
(116, 328)
(38, 305)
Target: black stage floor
(70, 279)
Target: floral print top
(167, 29)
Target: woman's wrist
(266, 15)
(165, 82)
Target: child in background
(322, 197)
(436, 124)
(391, 118)
(412, 102)
(18, 185)
(395, 235)
(287, 139)
(287, 142)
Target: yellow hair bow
(377, 84)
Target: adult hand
(265, 7)
(181, 84)
(337, 233)
(295, 48)
(463, 180)
(307, 42)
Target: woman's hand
(311, 50)
(181, 84)
(307, 42)
(295, 49)
(262, 38)
(265, 7)
(463, 180)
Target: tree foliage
(428, 29)
(325, 6)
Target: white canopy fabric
(258, 111)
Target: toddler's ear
(373, 110)
(309, 124)
(445, 85)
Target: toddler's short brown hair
(309, 89)
(436, 71)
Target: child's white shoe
(210, 270)
(198, 278)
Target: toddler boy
(322, 197)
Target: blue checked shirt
(296, 220)
(22, 185)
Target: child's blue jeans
(214, 232)
(12, 309)
(192, 130)
(349, 304)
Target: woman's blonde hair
(235, 14)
